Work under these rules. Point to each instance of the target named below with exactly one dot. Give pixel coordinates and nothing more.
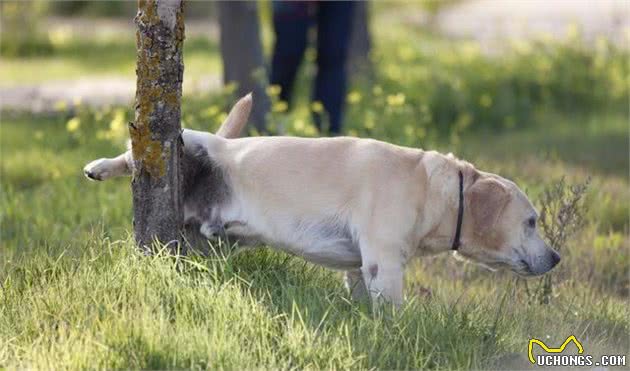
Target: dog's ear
(486, 199)
(237, 119)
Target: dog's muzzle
(539, 264)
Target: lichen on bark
(155, 133)
(154, 92)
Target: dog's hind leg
(105, 168)
(355, 285)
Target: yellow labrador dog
(358, 205)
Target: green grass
(75, 293)
(113, 56)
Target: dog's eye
(531, 222)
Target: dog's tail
(237, 118)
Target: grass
(113, 56)
(75, 293)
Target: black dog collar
(460, 213)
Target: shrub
(451, 88)
(562, 214)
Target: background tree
(156, 134)
(242, 54)
(360, 41)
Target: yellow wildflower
(61, 105)
(317, 106)
(210, 111)
(396, 100)
(310, 131)
(280, 106)
(118, 122)
(273, 90)
(369, 122)
(60, 36)
(299, 125)
(406, 53)
(73, 124)
(354, 97)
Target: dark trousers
(291, 22)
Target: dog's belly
(324, 243)
(335, 254)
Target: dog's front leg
(105, 168)
(382, 269)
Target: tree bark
(156, 134)
(241, 51)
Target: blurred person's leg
(334, 22)
(290, 22)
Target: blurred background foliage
(441, 87)
(22, 20)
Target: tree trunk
(242, 54)
(360, 41)
(156, 134)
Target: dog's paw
(210, 230)
(97, 170)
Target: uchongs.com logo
(555, 356)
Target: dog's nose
(555, 258)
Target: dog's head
(500, 228)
